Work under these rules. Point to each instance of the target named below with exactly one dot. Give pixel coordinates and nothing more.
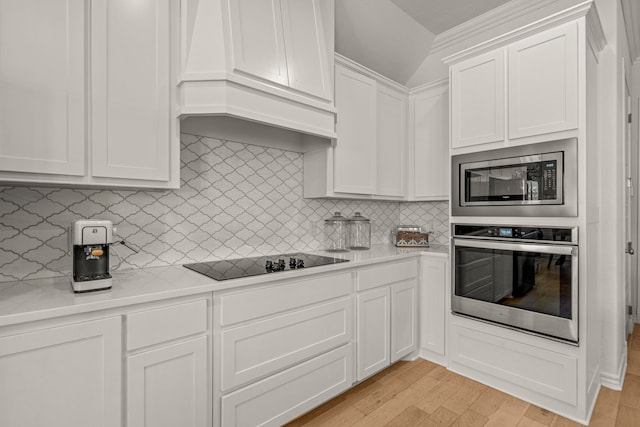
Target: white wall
(635, 143)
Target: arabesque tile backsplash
(235, 200)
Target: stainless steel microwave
(530, 180)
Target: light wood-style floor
(420, 393)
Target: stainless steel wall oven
(519, 276)
(529, 180)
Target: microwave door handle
(521, 247)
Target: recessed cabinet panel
(431, 144)
(404, 319)
(42, 86)
(304, 38)
(477, 96)
(433, 307)
(258, 40)
(373, 331)
(392, 125)
(168, 387)
(68, 376)
(543, 82)
(131, 84)
(355, 151)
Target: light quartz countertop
(39, 299)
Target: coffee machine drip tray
(246, 267)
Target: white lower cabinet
(65, 376)
(387, 316)
(167, 387)
(434, 308)
(281, 348)
(374, 330)
(289, 394)
(167, 378)
(404, 319)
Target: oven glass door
(529, 286)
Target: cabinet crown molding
(585, 9)
(359, 68)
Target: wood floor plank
(607, 403)
(602, 421)
(416, 372)
(489, 402)
(633, 364)
(564, 422)
(389, 410)
(379, 395)
(540, 415)
(440, 394)
(410, 417)
(627, 416)
(470, 418)
(342, 414)
(631, 391)
(440, 417)
(466, 395)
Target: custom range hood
(266, 62)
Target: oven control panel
(520, 233)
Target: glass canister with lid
(359, 232)
(335, 233)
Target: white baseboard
(434, 357)
(615, 381)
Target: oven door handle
(521, 247)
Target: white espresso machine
(90, 241)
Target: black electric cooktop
(245, 267)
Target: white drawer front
(386, 274)
(289, 394)
(163, 324)
(255, 303)
(536, 369)
(261, 348)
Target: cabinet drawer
(261, 348)
(386, 274)
(291, 393)
(255, 303)
(166, 323)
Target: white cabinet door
(355, 151)
(433, 307)
(131, 89)
(431, 167)
(374, 328)
(258, 40)
(543, 82)
(168, 387)
(478, 100)
(404, 319)
(68, 376)
(42, 86)
(391, 141)
(306, 52)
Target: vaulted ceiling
(393, 37)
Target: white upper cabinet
(355, 151)
(391, 141)
(477, 100)
(42, 86)
(543, 82)
(131, 87)
(526, 89)
(429, 169)
(87, 93)
(367, 160)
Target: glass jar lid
(335, 218)
(358, 217)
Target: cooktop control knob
(280, 264)
(269, 266)
(292, 263)
(300, 263)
